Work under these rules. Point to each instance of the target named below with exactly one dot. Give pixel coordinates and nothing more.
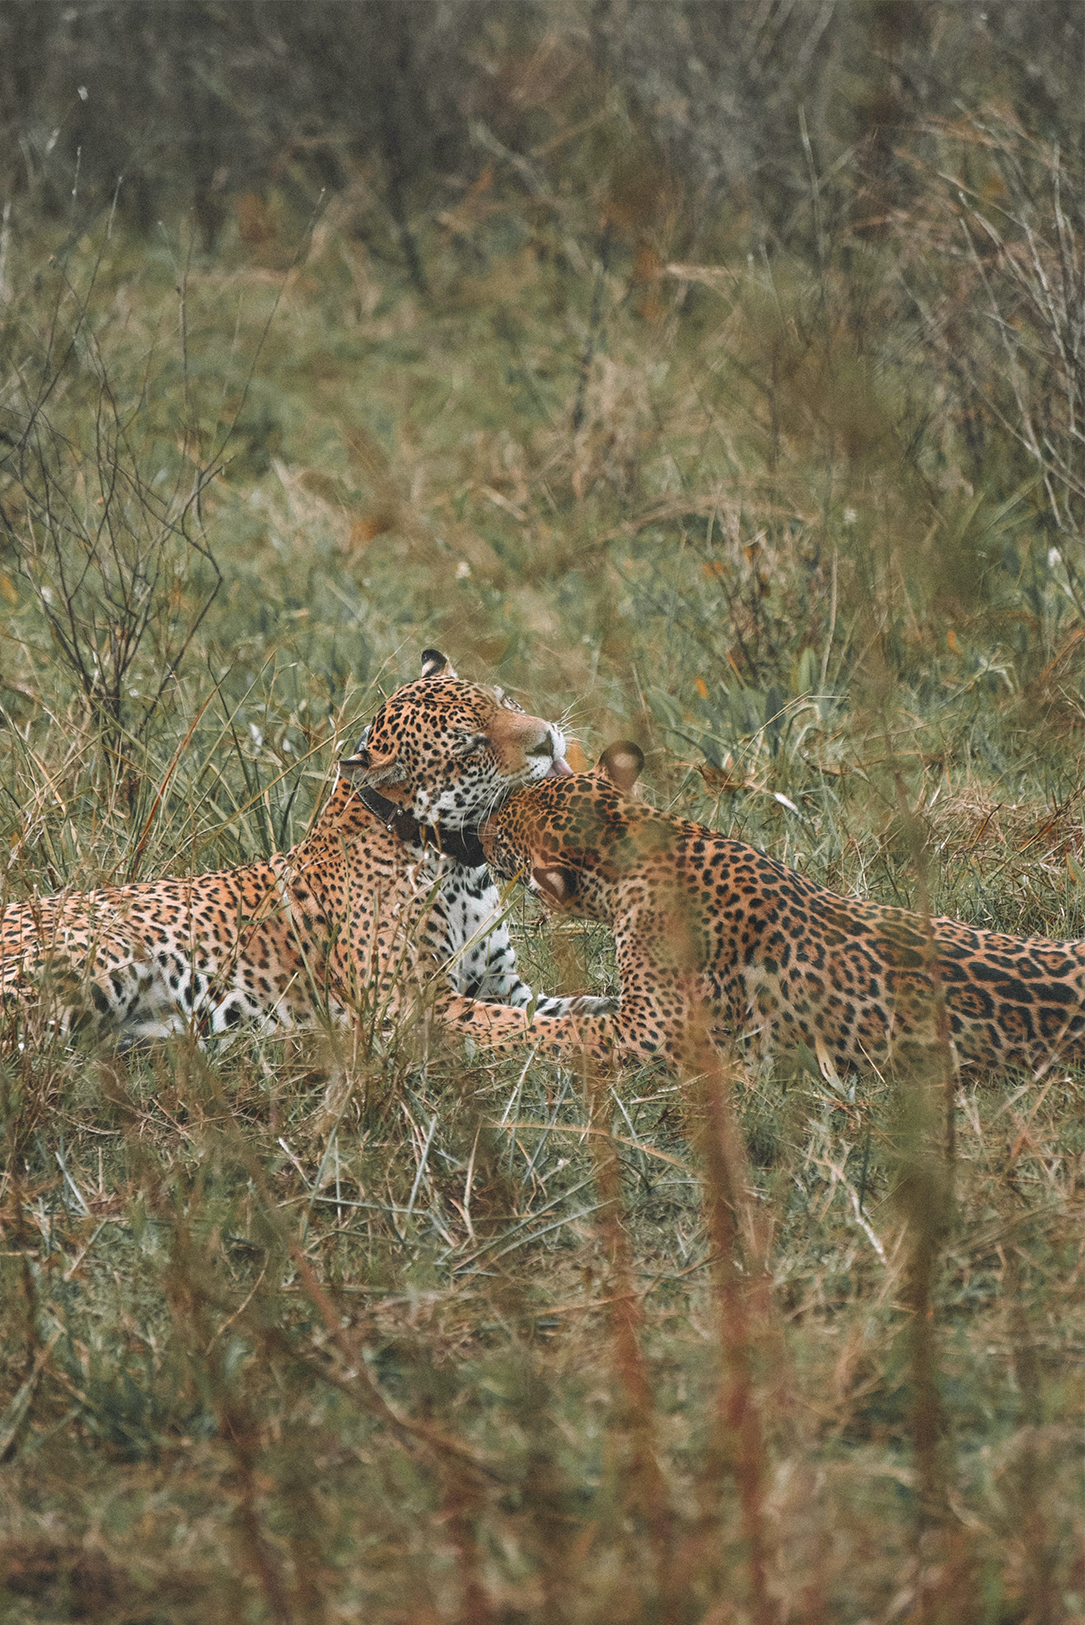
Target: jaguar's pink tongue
(558, 769)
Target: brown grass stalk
(646, 1493)
(739, 1448)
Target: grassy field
(302, 1332)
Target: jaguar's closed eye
(469, 743)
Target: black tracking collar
(463, 845)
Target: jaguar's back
(706, 927)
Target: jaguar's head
(449, 751)
(572, 839)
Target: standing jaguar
(709, 931)
(387, 898)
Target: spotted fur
(388, 898)
(709, 931)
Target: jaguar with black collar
(386, 904)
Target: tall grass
(317, 1328)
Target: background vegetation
(712, 374)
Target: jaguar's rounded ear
(621, 763)
(360, 759)
(555, 884)
(435, 664)
(367, 766)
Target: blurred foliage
(203, 104)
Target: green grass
(300, 1333)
